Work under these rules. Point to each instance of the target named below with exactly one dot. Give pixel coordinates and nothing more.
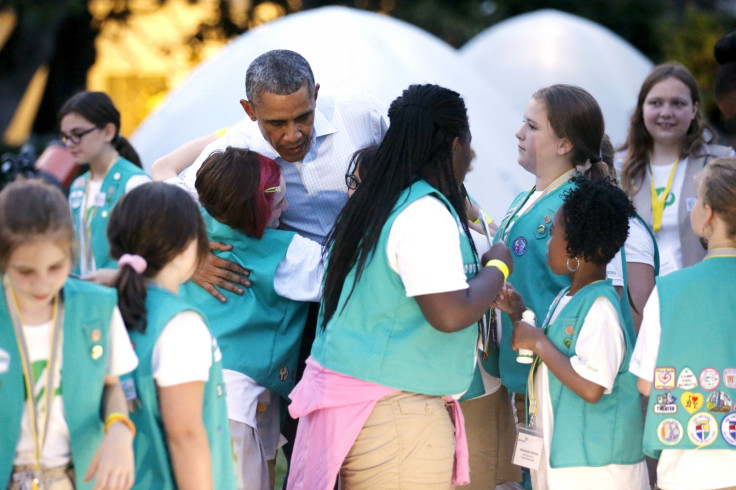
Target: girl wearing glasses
(90, 128)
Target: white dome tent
(534, 50)
(349, 50)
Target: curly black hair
(596, 215)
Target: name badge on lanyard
(528, 448)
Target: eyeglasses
(351, 181)
(75, 137)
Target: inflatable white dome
(531, 51)
(349, 50)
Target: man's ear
(248, 108)
(316, 91)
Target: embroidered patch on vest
(548, 219)
(75, 198)
(718, 402)
(669, 432)
(666, 404)
(729, 377)
(709, 379)
(519, 246)
(692, 402)
(702, 429)
(283, 373)
(664, 378)
(687, 380)
(728, 428)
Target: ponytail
(126, 150)
(131, 287)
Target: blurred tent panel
(527, 52)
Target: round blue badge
(728, 428)
(519, 246)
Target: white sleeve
(299, 274)
(644, 358)
(639, 245)
(423, 247)
(183, 351)
(600, 347)
(614, 270)
(135, 181)
(481, 242)
(121, 358)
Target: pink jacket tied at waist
(333, 408)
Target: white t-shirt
(57, 451)
(668, 239)
(183, 351)
(678, 469)
(426, 269)
(95, 197)
(639, 249)
(599, 352)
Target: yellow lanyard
(658, 201)
(88, 214)
(55, 341)
(531, 389)
(513, 216)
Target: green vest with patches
(527, 237)
(152, 462)
(593, 434)
(88, 310)
(691, 405)
(259, 332)
(113, 188)
(381, 335)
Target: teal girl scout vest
(593, 434)
(527, 240)
(88, 309)
(152, 465)
(259, 332)
(382, 336)
(113, 188)
(691, 405)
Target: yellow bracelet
(119, 417)
(500, 265)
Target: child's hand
(510, 302)
(113, 463)
(525, 336)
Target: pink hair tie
(137, 262)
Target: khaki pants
(408, 442)
(489, 423)
(60, 478)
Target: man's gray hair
(280, 72)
